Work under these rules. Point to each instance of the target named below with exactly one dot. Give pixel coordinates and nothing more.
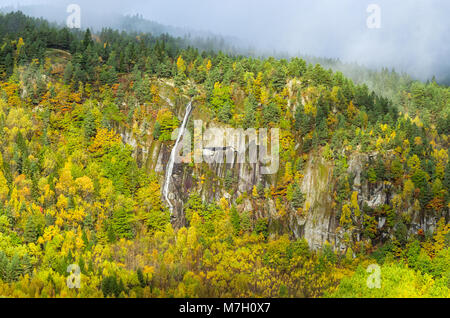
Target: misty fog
(414, 34)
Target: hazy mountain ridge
(130, 23)
(205, 40)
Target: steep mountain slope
(87, 134)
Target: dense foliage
(72, 192)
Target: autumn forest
(86, 129)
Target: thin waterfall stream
(170, 164)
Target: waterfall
(170, 164)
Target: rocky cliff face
(318, 224)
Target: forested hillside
(86, 123)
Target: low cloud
(414, 34)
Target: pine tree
(250, 106)
(141, 278)
(87, 41)
(13, 269)
(224, 114)
(90, 126)
(68, 73)
(9, 64)
(262, 227)
(279, 80)
(298, 198)
(31, 231)
(235, 220)
(109, 285)
(122, 224)
(82, 265)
